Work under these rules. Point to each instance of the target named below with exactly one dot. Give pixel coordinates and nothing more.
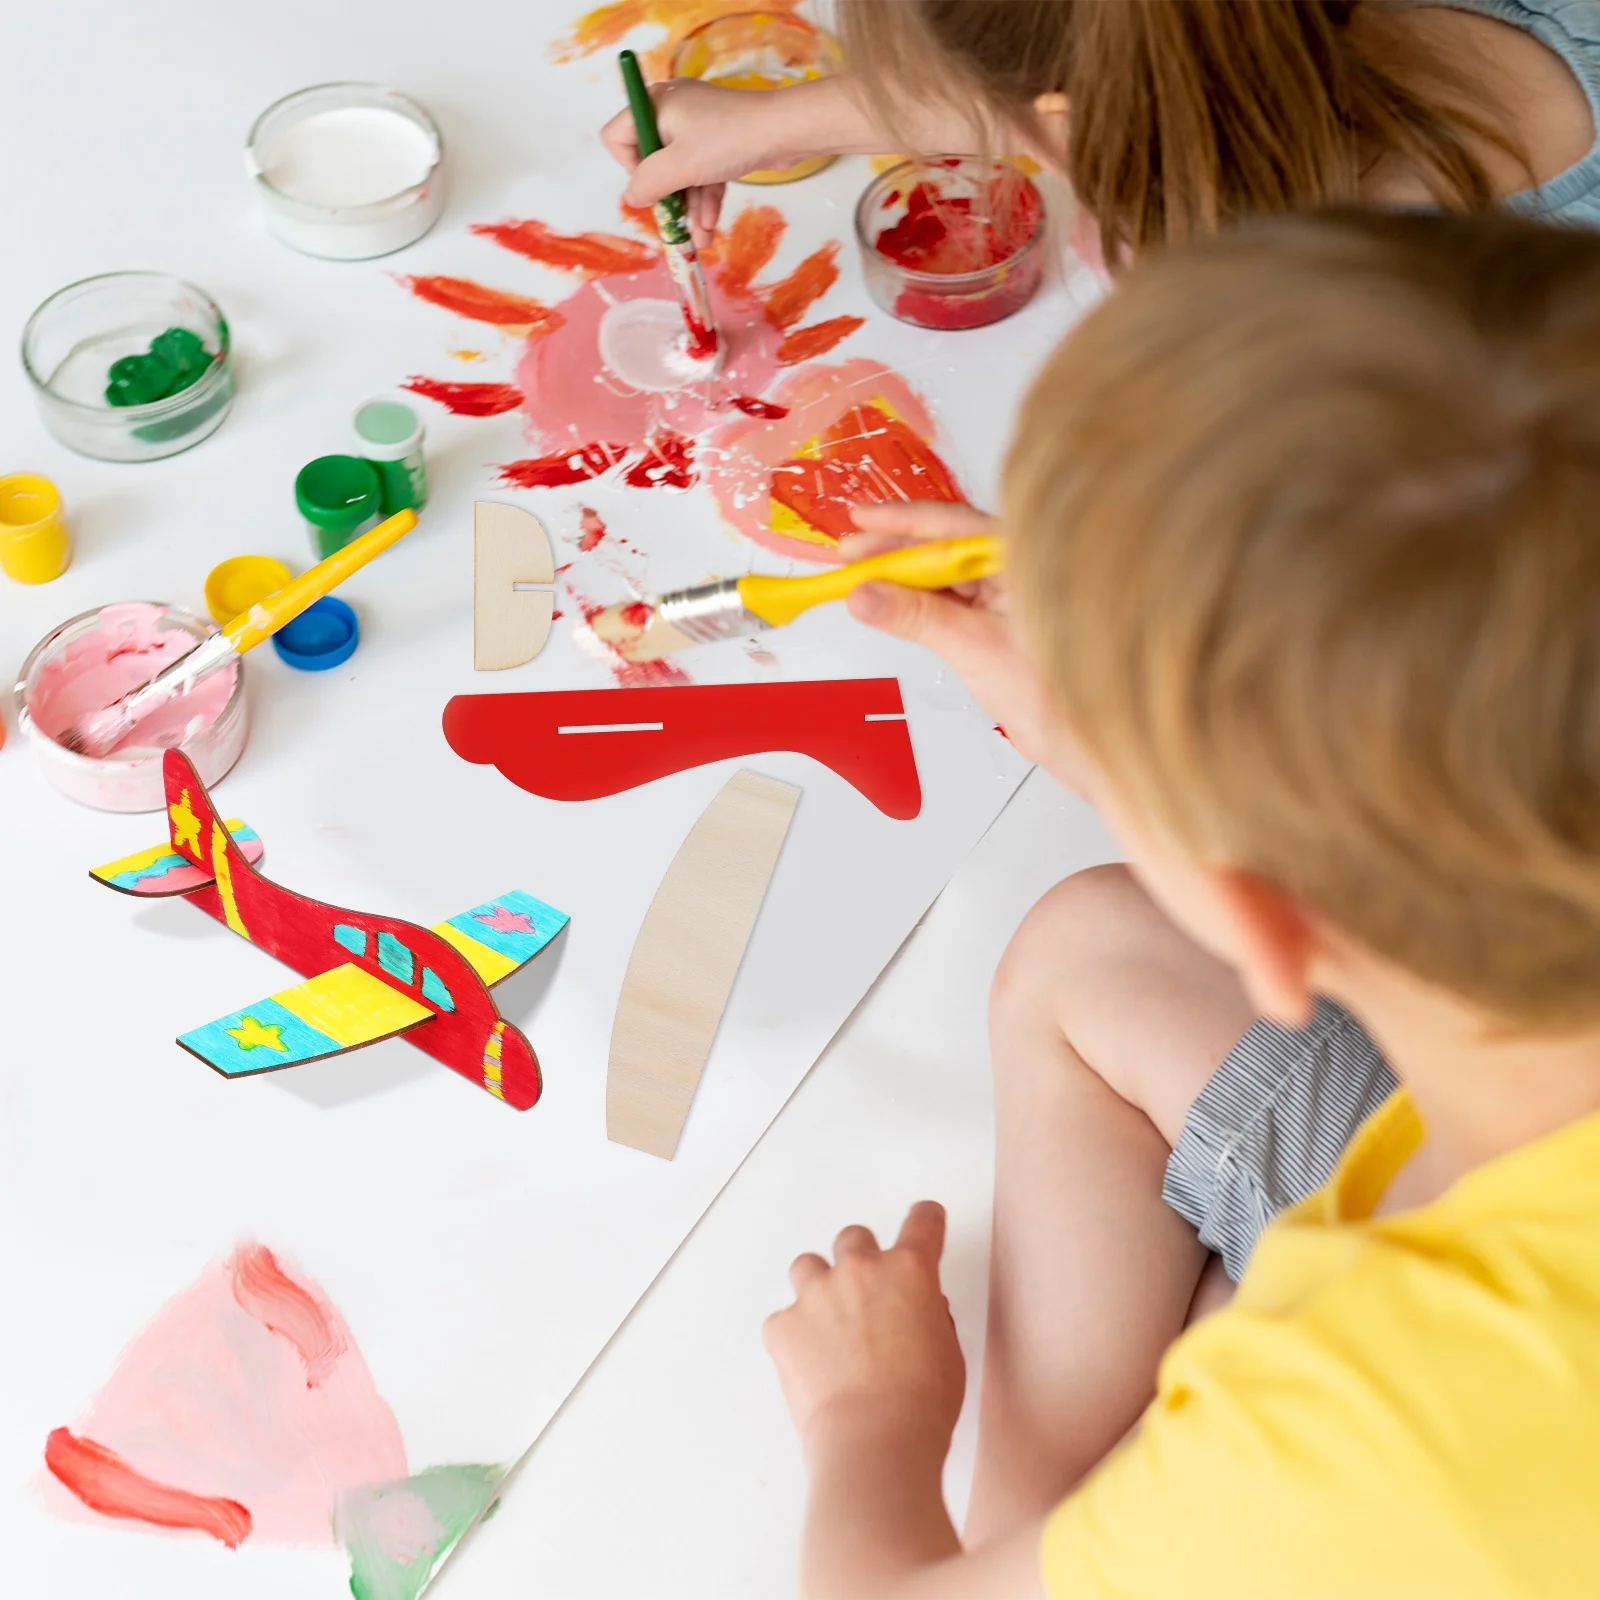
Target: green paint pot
(340, 497)
(389, 435)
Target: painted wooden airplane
(367, 977)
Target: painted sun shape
(607, 24)
(784, 452)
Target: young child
(1304, 527)
(1132, 1068)
(1173, 117)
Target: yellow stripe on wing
(351, 1006)
(489, 964)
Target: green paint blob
(397, 1533)
(386, 422)
(175, 361)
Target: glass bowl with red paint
(951, 241)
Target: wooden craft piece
(369, 977)
(510, 548)
(686, 957)
(581, 744)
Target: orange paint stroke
(104, 1482)
(606, 24)
(589, 253)
(641, 217)
(866, 457)
(745, 246)
(282, 1306)
(790, 298)
(805, 344)
(468, 299)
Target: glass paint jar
(75, 338)
(340, 497)
(129, 778)
(389, 435)
(34, 547)
(951, 241)
(347, 171)
(759, 50)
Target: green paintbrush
(672, 218)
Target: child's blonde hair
(1305, 528)
(1188, 114)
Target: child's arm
(873, 1374)
(711, 135)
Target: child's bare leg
(1106, 1022)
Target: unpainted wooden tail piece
(686, 958)
(509, 625)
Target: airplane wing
(335, 1011)
(502, 934)
(160, 870)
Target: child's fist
(869, 1339)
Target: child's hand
(708, 135)
(968, 626)
(869, 1341)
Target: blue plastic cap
(324, 635)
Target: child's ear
(1274, 943)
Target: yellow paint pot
(34, 547)
(760, 50)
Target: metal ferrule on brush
(713, 611)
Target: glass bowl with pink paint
(98, 656)
(951, 241)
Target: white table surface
(671, 1469)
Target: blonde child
(1138, 1089)
(1304, 525)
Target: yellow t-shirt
(1392, 1408)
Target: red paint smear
(746, 246)
(589, 253)
(668, 463)
(805, 344)
(481, 304)
(594, 530)
(753, 407)
(866, 457)
(648, 674)
(637, 615)
(467, 399)
(948, 234)
(557, 615)
(267, 1293)
(104, 1482)
(702, 337)
(574, 465)
(790, 298)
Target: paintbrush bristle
(637, 632)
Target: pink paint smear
(244, 1410)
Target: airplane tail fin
(192, 820)
(187, 859)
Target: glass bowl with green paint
(130, 366)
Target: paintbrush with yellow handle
(647, 630)
(99, 731)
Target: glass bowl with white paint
(348, 171)
(72, 340)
